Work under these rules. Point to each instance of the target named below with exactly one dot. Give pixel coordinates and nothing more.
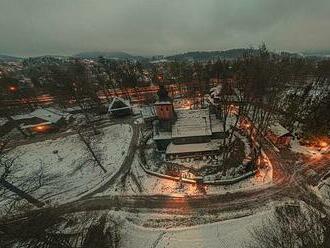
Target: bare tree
(6, 164)
(98, 235)
(49, 230)
(291, 227)
(260, 82)
(90, 149)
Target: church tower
(164, 111)
(164, 106)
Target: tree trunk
(21, 193)
(90, 149)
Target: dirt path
(124, 168)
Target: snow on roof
(35, 125)
(213, 145)
(192, 123)
(55, 113)
(125, 103)
(216, 124)
(148, 112)
(279, 130)
(215, 95)
(3, 121)
(48, 114)
(73, 109)
(22, 116)
(216, 90)
(162, 102)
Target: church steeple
(164, 105)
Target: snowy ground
(307, 150)
(230, 234)
(64, 165)
(323, 190)
(155, 230)
(138, 182)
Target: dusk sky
(65, 27)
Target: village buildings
(181, 133)
(41, 120)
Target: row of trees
(294, 90)
(295, 87)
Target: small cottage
(279, 135)
(120, 107)
(42, 120)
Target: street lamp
(12, 88)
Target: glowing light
(41, 128)
(12, 88)
(323, 144)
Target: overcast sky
(36, 27)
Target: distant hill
(322, 53)
(7, 58)
(211, 55)
(197, 55)
(108, 55)
(190, 56)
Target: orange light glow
(41, 128)
(323, 144)
(12, 88)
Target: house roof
(35, 125)
(3, 121)
(278, 130)
(213, 145)
(51, 115)
(191, 123)
(118, 101)
(163, 103)
(216, 124)
(148, 112)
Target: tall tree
(6, 165)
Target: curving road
(291, 181)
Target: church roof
(192, 123)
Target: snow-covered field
(158, 230)
(65, 167)
(227, 234)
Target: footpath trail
(124, 168)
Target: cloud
(37, 27)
